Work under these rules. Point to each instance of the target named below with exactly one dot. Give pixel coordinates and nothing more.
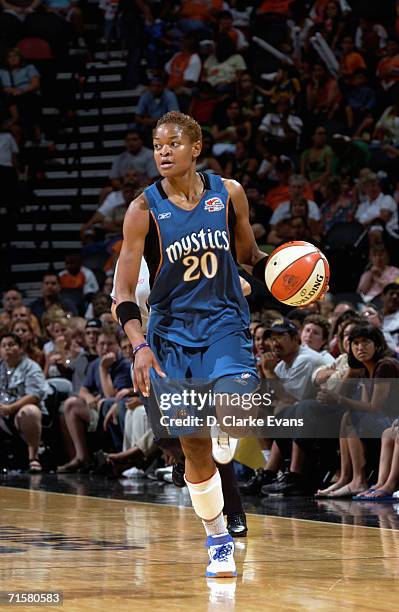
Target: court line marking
(287, 518)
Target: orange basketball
(297, 273)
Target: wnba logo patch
(213, 205)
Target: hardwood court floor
(117, 555)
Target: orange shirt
(69, 281)
(280, 194)
(352, 62)
(177, 68)
(200, 9)
(279, 7)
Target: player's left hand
(143, 362)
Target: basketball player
(189, 226)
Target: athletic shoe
(161, 472)
(221, 557)
(178, 475)
(289, 483)
(223, 446)
(254, 485)
(237, 525)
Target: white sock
(217, 527)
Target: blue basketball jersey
(196, 296)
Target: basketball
(297, 273)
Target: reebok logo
(164, 215)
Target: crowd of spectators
(309, 125)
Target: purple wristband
(140, 346)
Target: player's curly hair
(189, 125)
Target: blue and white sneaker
(221, 557)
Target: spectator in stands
(77, 282)
(369, 415)
(370, 37)
(230, 126)
(316, 162)
(154, 103)
(284, 168)
(388, 70)
(51, 295)
(390, 311)
(20, 8)
(387, 128)
(259, 214)
(184, 68)
(374, 316)
(11, 299)
(8, 168)
(296, 188)
(108, 375)
(56, 327)
(113, 200)
(259, 344)
(199, 17)
(136, 157)
(224, 66)
(323, 96)
(284, 84)
(350, 156)
(351, 61)
(225, 27)
(239, 163)
(206, 159)
(280, 132)
(360, 102)
(377, 275)
(70, 12)
(22, 83)
(101, 304)
(289, 226)
(250, 100)
(388, 471)
(315, 334)
(138, 438)
(203, 105)
(24, 313)
(22, 392)
(290, 366)
(336, 207)
(30, 343)
(332, 24)
(380, 212)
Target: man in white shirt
(379, 212)
(130, 184)
(290, 366)
(296, 186)
(136, 157)
(281, 130)
(378, 207)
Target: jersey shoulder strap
(155, 193)
(213, 182)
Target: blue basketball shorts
(194, 376)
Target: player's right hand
(143, 362)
